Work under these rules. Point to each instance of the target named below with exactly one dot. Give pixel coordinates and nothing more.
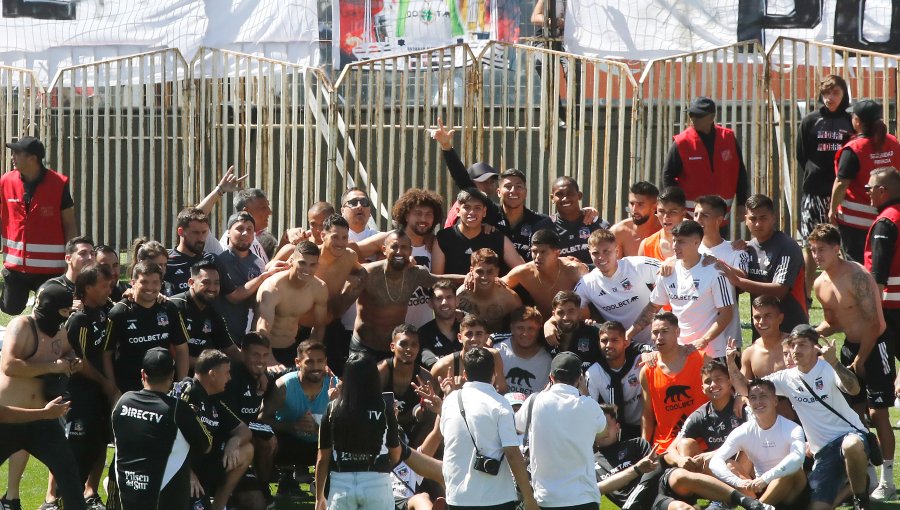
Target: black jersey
(206, 328)
(178, 268)
(520, 234)
(573, 235)
(243, 395)
(216, 416)
(710, 427)
(458, 249)
(132, 330)
(357, 444)
(154, 433)
(62, 281)
(583, 342)
(617, 457)
(435, 345)
(406, 401)
(86, 330)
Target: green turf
(34, 482)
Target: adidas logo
(247, 393)
(179, 271)
(132, 326)
(468, 251)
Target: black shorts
(667, 494)
(854, 242)
(209, 469)
(357, 346)
(286, 356)
(249, 482)
(16, 287)
(878, 384)
(337, 346)
(293, 451)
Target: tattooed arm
(868, 301)
(643, 320)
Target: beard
(640, 220)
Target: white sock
(887, 473)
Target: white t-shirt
(490, 419)
(821, 425)
(734, 258)
(624, 295)
(600, 384)
(349, 317)
(564, 425)
(524, 375)
(695, 294)
(419, 312)
(775, 452)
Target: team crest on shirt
(584, 345)
(622, 455)
(819, 383)
(526, 231)
(162, 320)
(207, 326)
(727, 155)
(215, 413)
(734, 423)
(584, 233)
(633, 381)
(626, 284)
(696, 283)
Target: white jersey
(695, 294)
(404, 481)
(624, 295)
(734, 258)
(600, 385)
(420, 312)
(524, 375)
(775, 452)
(821, 425)
(349, 317)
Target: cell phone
(388, 397)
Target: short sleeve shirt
(710, 427)
(573, 235)
(780, 260)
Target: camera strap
(462, 411)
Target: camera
(486, 464)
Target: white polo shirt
(695, 294)
(490, 419)
(564, 424)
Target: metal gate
(20, 107)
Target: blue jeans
(360, 490)
(828, 472)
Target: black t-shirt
(86, 330)
(584, 343)
(178, 268)
(62, 281)
(242, 393)
(710, 427)
(206, 328)
(434, 345)
(458, 249)
(617, 457)
(520, 234)
(133, 330)
(146, 425)
(215, 415)
(573, 235)
(29, 188)
(356, 443)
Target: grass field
(34, 482)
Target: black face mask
(50, 299)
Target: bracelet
(219, 191)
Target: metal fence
(142, 136)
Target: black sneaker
(94, 503)
(288, 488)
(49, 505)
(11, 504)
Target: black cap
(28, 145)
(240, 216)
(158, 362)
(566, 366)
(867, 110)
(481, 171)
(702, 106)
(805, 331)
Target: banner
(379, 28)
(646, 29)
(45, 35)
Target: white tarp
(88, 30)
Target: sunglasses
(357, 202)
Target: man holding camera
(481, 446)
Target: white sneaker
(883, 492)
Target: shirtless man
(489, 300)
(642, 222)
(851, 303)
(472, 334)
(399, 375)
(289, 297)
(338, 267)
(35, 361)
(384, 299)
(546, 274)
(766, 354)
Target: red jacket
(34, 240)
(701, 177)
(856, 210)
(891, 296)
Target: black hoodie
(821, 134)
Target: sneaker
(860, 503)
(288, 488)
(94, 503)
(10, 504)
(49, 505)
(883, 492)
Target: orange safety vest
(856, 210)
(34, 241)
(890, 298)
(674, 398)
(700, 176)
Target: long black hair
(360, 393)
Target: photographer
(481, 445)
